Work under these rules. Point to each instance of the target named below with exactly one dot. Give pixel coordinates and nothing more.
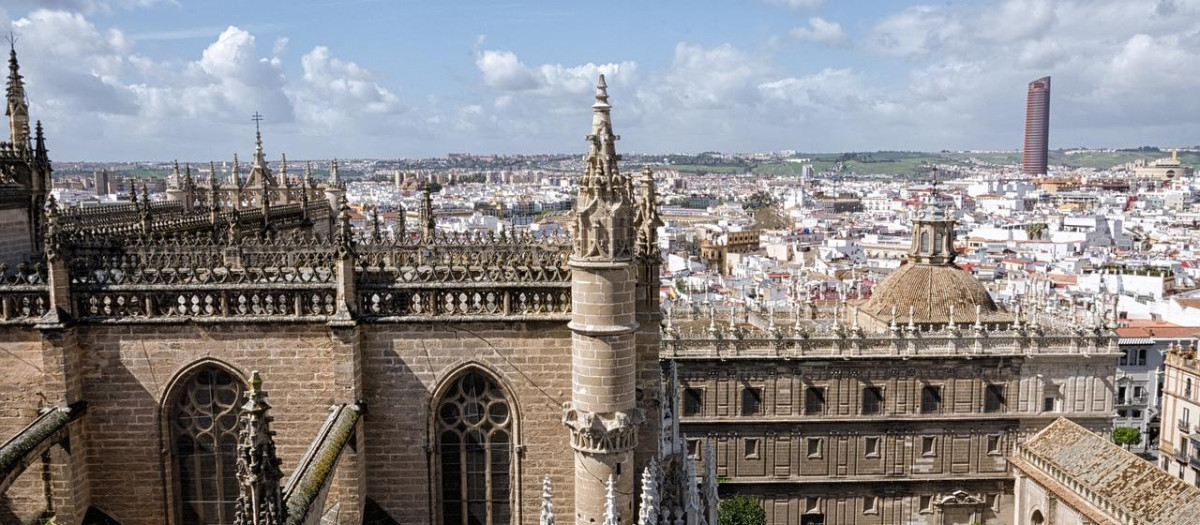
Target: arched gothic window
(924, 242)
(203, 421)
(474, 433)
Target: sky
(180, 79)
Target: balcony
(1183, 425)
(1194, 461)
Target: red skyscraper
(1037, 127)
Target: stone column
(603, 414)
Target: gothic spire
(18, 105)
(260, 499)
(603, 211)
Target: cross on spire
(256, 118)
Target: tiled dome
(930, 289)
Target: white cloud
(502, 70)
(821, 31)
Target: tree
(741, 510)
(1126, 436)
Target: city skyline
(157, 80)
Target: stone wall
(14, 236)
(404, 364)
(914, 506)
(128, 370)
(20, 398)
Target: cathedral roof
(928, 291)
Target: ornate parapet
(295, 276)
(838, 343)
(602, 433)
(464, 277)
(24, 293)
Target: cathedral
(429, 377)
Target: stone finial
(647, 220)
(401, 220)
(651, 479)
(425, 215)
(260, 496)
(235, 175)
(612, 515)
(547, 514)
(693, 509)
(376, 233)
(283, 171)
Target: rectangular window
(872, 401)
(993, 444)
(814, 447)
(751, 446)
(872, 447)
(1125, 357)
(812, 504)
(871, 505)
(814, 401)
(1138, 393)
(1048, 404)
(1121, 390)
(927, 446)
(1141, 359)
(993, 399)
(925, 504)
(693, 446)
(931, 399)
(993, 501)
(1187, 387)
(1183, 447)
(693, 401)
(1137, 414)
(751, 401)
(1121, 413)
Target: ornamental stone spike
(260, 497)
(651, 478)
(612, 515)
(547, 514)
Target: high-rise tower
(603, 415)
(1037, 128)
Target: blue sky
(159, 79)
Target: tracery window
(203, 422)
(474, 429)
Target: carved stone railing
(204, 277)
(283, 217)
(24, 294)
(465, 277)
(842, 343)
